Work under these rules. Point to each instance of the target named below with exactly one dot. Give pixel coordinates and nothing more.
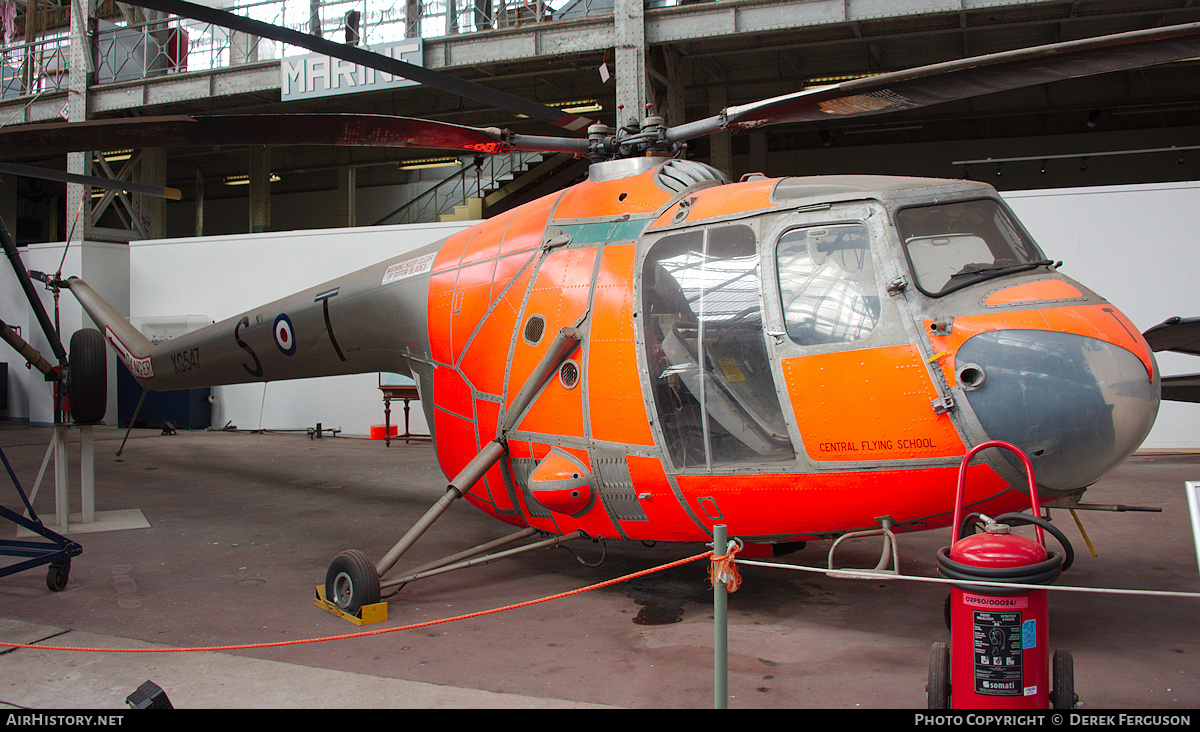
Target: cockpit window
(827, 284)
(703, 328)
(952, 245)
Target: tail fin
(131, 346)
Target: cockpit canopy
(811, 270)
(952, 245)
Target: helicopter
(658, 349)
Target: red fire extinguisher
(1000, 635)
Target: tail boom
(362, 322)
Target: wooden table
(407, 392)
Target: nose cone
(1076, 405)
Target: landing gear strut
(353, 582)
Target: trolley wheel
(351, 582)
(939, 677)
(89, 376)
(1062, 696)
(56, 576)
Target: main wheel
(939, 677)
(351, 582)
(1062, 696)
(89, 376)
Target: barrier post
(720, 625)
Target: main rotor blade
(363, 57)
(955, 80)
(1184, 388)
(91, 180)
(363, 130)
(1175, 334)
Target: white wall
(180, 283)
(1139, 247)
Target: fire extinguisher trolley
(998, 656)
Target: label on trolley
(998, 653)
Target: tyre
(1062, 696)
(939, 677)
(56, 576)
(351, 582)
(89, 376)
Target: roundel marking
(285, 338)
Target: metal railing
(34, 68)
(472, 180)
(130, 52)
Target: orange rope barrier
(382, 631)
(724, 569)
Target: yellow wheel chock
(367, 615)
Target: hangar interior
(697, 58)
(694, 59)
(1063, 153)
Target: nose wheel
(351, 582)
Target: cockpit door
(857, 386)
(709, 369)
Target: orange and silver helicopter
(658, 349)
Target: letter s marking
(257, 371)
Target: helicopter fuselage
(794, 358)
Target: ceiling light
(116, 156)
(423, 163)
(243, 180)
(828, 80)
(579, 106)
(584, 105)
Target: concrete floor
(241, 528)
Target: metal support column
(199, 202)
(87, 475)
(720, 143)
(347, 193)
(260, 189)
(62, 496)
(80, 69)
(152, 210)
(630, 26)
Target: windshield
(952, 245)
